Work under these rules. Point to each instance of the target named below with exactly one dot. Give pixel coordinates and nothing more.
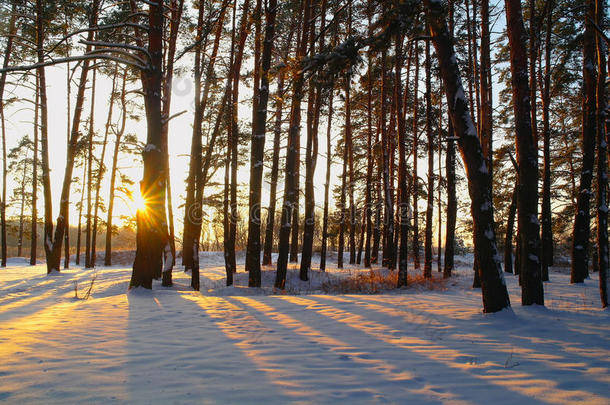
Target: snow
(242, 345)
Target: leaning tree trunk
(580, 236)
(495, 294)
(510, 225)
(253, 254)
(527, 159)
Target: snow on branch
(23, 68)
(118, 45)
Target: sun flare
(138, 203)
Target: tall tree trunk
(152, 232)
(88, 248)
(602, 165)
(327, 183)
(369, 152)
(403, 205)
(193, 211)
(169, 250)
(290, 194)
(311, 157)
(101, 171)
(22, 211)
(527, 159)
(277, 132)
(415, 178)
(79, 232)
(547, 224)
(7, 55)
(450, 175)
(430, 194)
(494, 292)
(253, 257)
(53, 243)
(581, 233)
(44, 144)
(115, 158)
(194, 192)
(34, 226)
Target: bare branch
(58, 61)
(96, 28)
(117, 51)
(166, 120)
(118, 45)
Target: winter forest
(431, 175)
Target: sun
(139, 204)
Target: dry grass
(380, 281)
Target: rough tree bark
(581, 233)
(253, 255)
(527, 159)
(430, 193)
(494, 292)
(290, 194)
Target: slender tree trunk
(581, 233)
(44, 144)
(277, 132)
(53, 243)
(79, 232)
(311, 158)
(101, 171)
(527, 158)
(602, 162)
(342, 209)
(430, 194)
(34, 226)
(194, 193)
(403, 205)
(290, 194)
(510, 225)
(7, 55)
(193, 212)
(88, 247)
(494, 292)
(440, 181)
(547, 225)
(450, 175)
(258, 151)
(369, 153)
(22, 211)
(415, 178)
(113, 172)
(327, 183)
(169, 250)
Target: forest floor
(425, 344)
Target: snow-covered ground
(238, 345)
